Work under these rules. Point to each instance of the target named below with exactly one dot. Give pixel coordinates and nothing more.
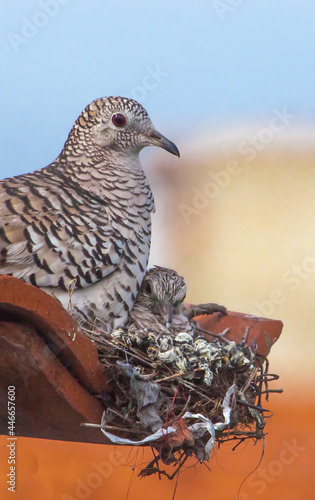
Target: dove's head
(114, 125)
(163, 292)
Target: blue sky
(191, 64)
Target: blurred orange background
(246, 240)
(52, 470)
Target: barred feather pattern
(81, 228)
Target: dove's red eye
(118, 120)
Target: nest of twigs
(181, 395)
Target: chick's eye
(148, 288)
(118, 120)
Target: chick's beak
(161, 141)
(169, 313)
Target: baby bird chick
(160, 307)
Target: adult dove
(80, 228)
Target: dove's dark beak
(159, 140)
(169, 313)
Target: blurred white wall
(236, 217)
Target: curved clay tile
(55, 368)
